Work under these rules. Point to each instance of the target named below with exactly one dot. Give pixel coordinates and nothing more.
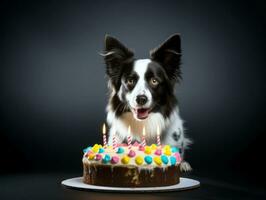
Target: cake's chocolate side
(129, 176)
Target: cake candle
(158, 137)
(129, 137)
(114, 142)
(104, 136)
(143, 137)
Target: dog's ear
(168, 54)
(116, 55)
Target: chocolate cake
(131, 166)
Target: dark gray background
(53, 85)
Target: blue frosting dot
(148, 159)
(86, 149)
(172, 160)
(106, 158)
(174, 149)
(164, 159)
(120, 150)
(101, 150)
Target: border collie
(142, 93)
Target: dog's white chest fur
(119, 126)
(171, 128)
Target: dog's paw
(185, 166)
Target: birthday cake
(131, 166)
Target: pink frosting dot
(136, 144)
(158, 152)
(98, 157)
(178, 157)
(114, 159)
(141, 148)
(131, 153)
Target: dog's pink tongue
(142, 113)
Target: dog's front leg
(175, 136)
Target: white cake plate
(185, 184)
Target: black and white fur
(142, 93)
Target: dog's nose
(141, 99)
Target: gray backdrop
(53, 84)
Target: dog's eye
(130, 81)
(154, 82)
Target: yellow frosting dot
(125, 160)
(153, 146)
(168, 152)
(147, 150)
(100, 146)
(157, 160)
(167, 147)
(139, 160)
(91, 156)
(95, 149)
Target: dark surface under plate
(48, 186)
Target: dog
(142, 93)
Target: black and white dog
(142, 93)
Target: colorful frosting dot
(174, 149)
(120, 150)
(141, 148)
(172, 160)
(164, 159)
(89, 152)
(167, 147)
(178, 157)
(158, 152)
(114, 159)
(157, 160)
(125, 160)
(147, 150)
(139, 160)
(148, 159)
(136, 144)
(167, 152)
(95, 148)
(131, 153)
(91, 156)
(106, 159)
(101, 150)
(98, 157)
(153, 146)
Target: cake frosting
(135, 155)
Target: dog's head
(143, 86)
